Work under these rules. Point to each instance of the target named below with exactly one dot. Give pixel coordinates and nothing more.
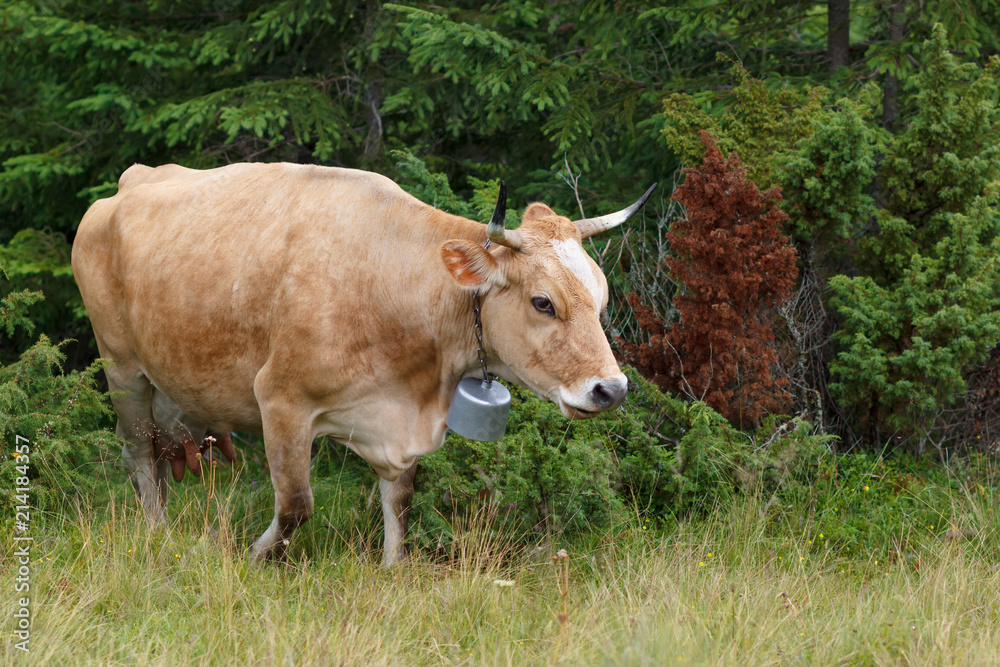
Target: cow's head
(542, 316)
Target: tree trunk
(890, 90)
(373, 94)
(874, 438)
(838, 42)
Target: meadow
(746, 583)
(826, 496)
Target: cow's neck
(422, 299)
(460, 355)
(466, 360)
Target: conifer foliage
(735, 267)
(61, 417)
(926, 309)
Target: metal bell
(479, 409)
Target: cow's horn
(495, 230)
(590, 226)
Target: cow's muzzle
(595, 396)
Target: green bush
(657, 456)
(926, 307)
(63, 417)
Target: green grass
(750, 584)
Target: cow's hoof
(268, 552)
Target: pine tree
(928, 304)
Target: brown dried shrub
(735, 268)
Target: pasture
(804, 470)
(748, 583)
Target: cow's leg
(137, 429)
(160, 471)
(288, 444)
(397, 497)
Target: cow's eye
(543, 305)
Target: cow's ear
(470, 264)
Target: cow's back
(190, 275)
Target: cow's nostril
(606, 396)
(600, 396)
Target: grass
(746, 586)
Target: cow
(330, 302)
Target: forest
(808, 310)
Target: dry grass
(107, 590)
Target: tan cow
(332, 303)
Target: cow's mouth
(572, 412)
